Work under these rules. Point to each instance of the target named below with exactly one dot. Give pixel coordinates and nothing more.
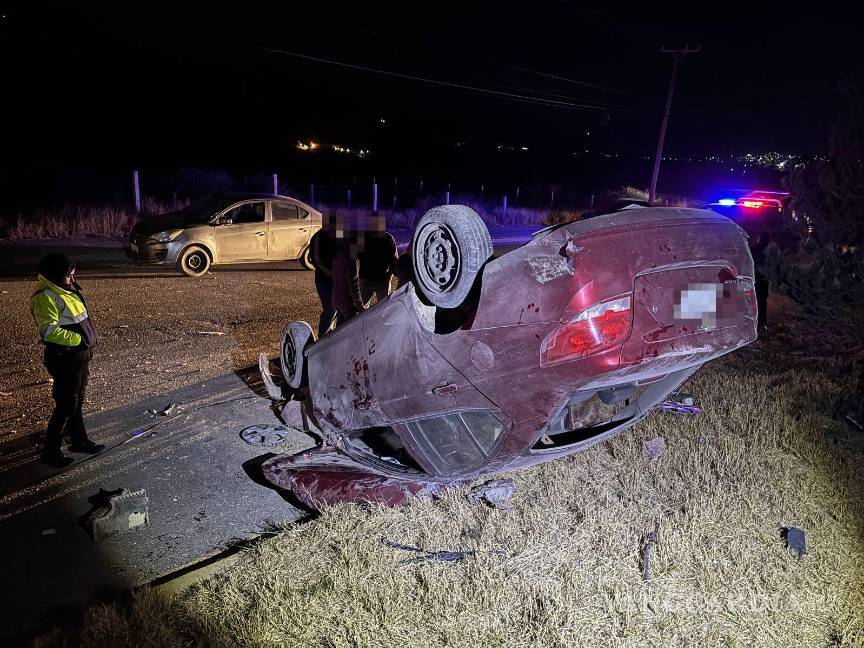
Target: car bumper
(148, 251)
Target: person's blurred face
(69, 279)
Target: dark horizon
(445, 93)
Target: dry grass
(74, 222)
(763, 455)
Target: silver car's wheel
(451, 244)
(295, 337)
(193, 262)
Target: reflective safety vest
(59, 314)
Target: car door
(241, 233)
(289, 231)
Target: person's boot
(87, 446)
(56, 458)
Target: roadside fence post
(446, 197)
(136, 191)
(311, 193)
(275, 183)
(374, 196)
(504, 204)
(552, 199)
(349, 199)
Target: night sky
(143, 83)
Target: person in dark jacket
(69, 336)
(321, 247)
(378, 261)
(347, 299)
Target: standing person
(321, 247)
(347, 299)
(758, 252)
(69, 336)
(379, 261)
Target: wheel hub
(289, 355)
(195, 261)
(440, 257)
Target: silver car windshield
(205, 208)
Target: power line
(560, 78)
(411, 77)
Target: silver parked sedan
(227, 228)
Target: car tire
(295, 337)
(306, 258)
(194, 261)
(451, 243)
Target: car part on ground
(121, 511)
(558, 345)
(265, 434)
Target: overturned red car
(490, 363)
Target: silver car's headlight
(165, 237)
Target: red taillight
(596, 329)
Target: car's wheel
(450, 246)
(194, 261)
(295, 337)
(306, 258)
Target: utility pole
(677, 56)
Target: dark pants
(762, 301)
(324, 286)
(369, 287)
(69, 371)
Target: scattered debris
(683, 398)
(795, 540)
(49, 531)
(273, 390)
(493, 493)
(164, 412)
(441, 556)
(218, 333)
(5, 393)
(124, 511)
(647, 553)
(679, 408)
(267, 435)
(654, 448)
(850, 418)
(135, 433)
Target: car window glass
(285, 211)
(247, 213)
(303, 213)
(446, 442)
(485, 427)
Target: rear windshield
(457, 442)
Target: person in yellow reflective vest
(67, 331)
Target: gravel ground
(150, 339)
